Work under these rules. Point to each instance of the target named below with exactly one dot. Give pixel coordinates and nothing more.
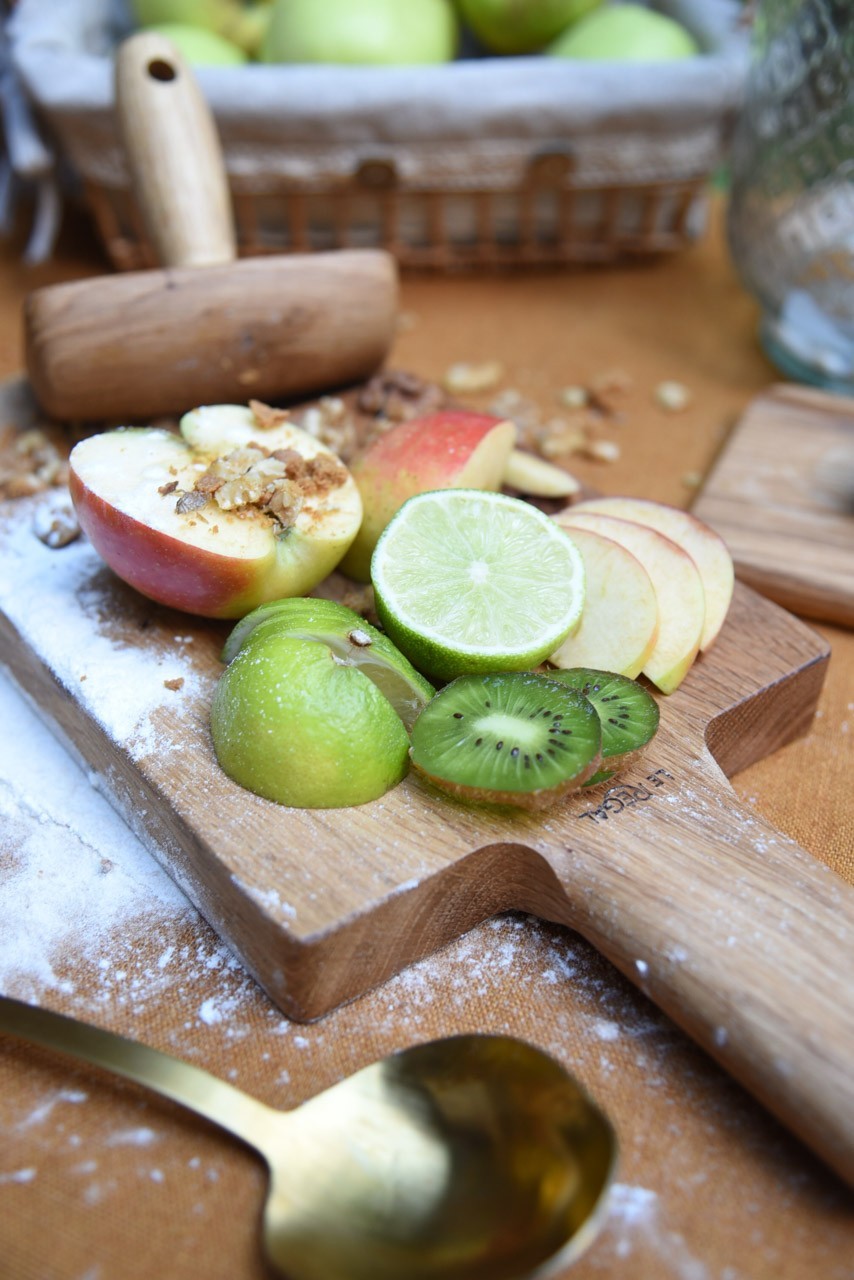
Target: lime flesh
(467, 581)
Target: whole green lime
(294, 724)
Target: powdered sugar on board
(60, 601)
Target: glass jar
(791, 209)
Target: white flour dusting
(71, 872)
(56, 600)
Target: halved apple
(678, 589)
(238, 509)
(452, 449)
(705, 547)
(619, 624)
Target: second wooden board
(782, 495)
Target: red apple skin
(167, 570)
(452, 449)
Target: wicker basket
(484, 162)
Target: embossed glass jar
(791, 210)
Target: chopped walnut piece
(253, 486)
(602, 450)
(560, 436)
(672, 396)
(56, 528)
(177, 682)
(30, 462)
(190, 501)
(169, 487)
(285, 503)
(398, 395)
(267, 416)
(468, 379)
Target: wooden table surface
(101, 1180)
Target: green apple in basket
(242, 24)
(361, 31)
(625, 33)
(521, 26)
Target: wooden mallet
(206, 328)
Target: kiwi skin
(569, 706)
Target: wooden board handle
(742, 937)
(173, 152)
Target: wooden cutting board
(740, 935)
(782, 495)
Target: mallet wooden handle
(741, 936)
(132, 347)
(177, 170)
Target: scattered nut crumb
(56, 528)
(558, 437)
(672, 396)
(602, 450)
(169, 487)
(573, 397)
(463, 378)
(30, 461)
(176, 683)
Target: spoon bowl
(475, 1157)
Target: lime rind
(507, 738)
(351, 641)
(293, 726)
(469, 581)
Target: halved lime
(294, 725)
(467, 581)
(350, 641)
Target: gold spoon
(471, 1158)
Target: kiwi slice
(511, 738)
(628, 712)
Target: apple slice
(619, 624)
(678, 588)
(452, 449)
(705, 547)
(238, 509)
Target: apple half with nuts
(238, 508)
(451, 449)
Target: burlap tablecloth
(99, 1180)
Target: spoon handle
(240, 1115)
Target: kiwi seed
(513, 738)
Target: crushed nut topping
(277, 482)
(176, 683)
(169, 487)
(190, 501)
(267, 416)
